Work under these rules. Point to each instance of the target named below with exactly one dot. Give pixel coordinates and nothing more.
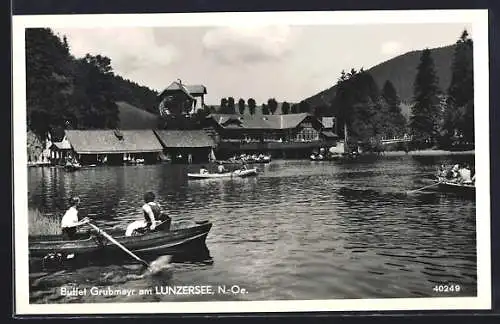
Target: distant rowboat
(237, 173)
(72, 166)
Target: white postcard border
(479, 21)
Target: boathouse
(187, 146)
(180, 99)
(290, 135)
(60, 152)
(114, 146)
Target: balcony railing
(243, 141)
(273, 144)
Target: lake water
(299, 230)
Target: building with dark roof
(282, 135)
(115, 146)
(191, 146)
(60, 151)
(181, 99)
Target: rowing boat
(91, 246)
(245, 173)
(234, 174)
(72, 166)
(456, 187)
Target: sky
(286, 62)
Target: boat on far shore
(245, 158)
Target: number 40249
(446, 288)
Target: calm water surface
(300, 230)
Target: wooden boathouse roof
(288, 121)
(113, 141)
(185, 138)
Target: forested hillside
(401, 72)
(68, 92)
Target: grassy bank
(40, 224)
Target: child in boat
(69, 222)
(221, 168)
(203, 170)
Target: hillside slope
(401, 71)
(132, 117)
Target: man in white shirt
(69, 222)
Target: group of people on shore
(457, 173)
(153, 217)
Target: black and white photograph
(251, 162)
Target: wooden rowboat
(245, 173)
(457, 188)
(234, 174)
(90, 246)
(445, 185)
(72, 166)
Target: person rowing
(152, 212)
(70, 222)
(221, 168)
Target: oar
(432, 185)
(109, 237)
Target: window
(307, 134)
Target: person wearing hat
(69, 222)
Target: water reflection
(299, 229)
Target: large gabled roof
(111, 141)
(259, 121)
(189, 90)
(185, 138)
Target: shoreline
(428, 153)
(386, 153)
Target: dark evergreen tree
(357, 105)
(231, 109)
(285, 108)
(241, 106)
(459, 111)
(273, 105)
(223, 106)
(251, 106)
(304, 107)
(424, 122)
(265, 109)
(395, 122)
(48, 81)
